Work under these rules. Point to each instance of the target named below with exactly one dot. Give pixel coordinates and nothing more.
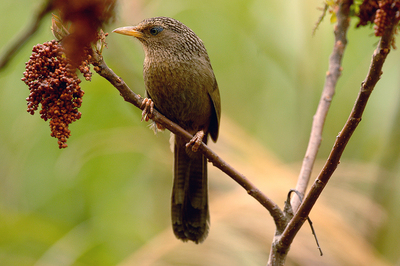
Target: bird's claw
(148, 108)
(196, 141)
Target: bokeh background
(105, 200)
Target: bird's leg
(196, 141)
(148, 107)
(147, 113)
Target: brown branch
(367, 86)
(103, 70)
(331, 79)
(24, 37)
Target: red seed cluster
(379, 13)
(55, 87)
(367, 12)
(84, 67)
(387, 10)
(380, 21)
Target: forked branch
(367, 86)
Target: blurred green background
(105, 199)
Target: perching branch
(103, 70)
(29, 32)
(288, 222)
(374, 73)
(331, 79)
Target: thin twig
(24, 37)
(374, 74)
(321, 18)
(290, 212)
(331, 79)
(315, 236)
(103, 70)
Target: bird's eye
(156, 30)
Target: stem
(331, 79)
(367, 86)
(29, 32)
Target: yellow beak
(130, 31)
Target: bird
(180, 84)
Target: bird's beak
(130, 31)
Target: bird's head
(166, 35)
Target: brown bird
(181, 84)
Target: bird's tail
(190, 214)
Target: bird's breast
(179, 91)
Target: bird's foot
(148, 108)
(195, 142)
(147, 114)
